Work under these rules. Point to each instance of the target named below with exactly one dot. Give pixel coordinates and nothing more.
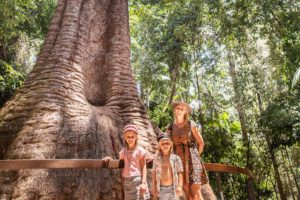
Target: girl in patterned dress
(134, 173)
(188, 145)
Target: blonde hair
(160, 152)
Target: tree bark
(275, 190)
(219, 186)
(293, 173)
(173, 75)
(241, 114)
(276, 170)
(200, 110)
(196, 59)
(290, 184)
(74, 104)
(237, 98)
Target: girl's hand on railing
(107, 158)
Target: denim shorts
(167, 193)
(132, 190)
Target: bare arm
(143, 186)
(144, 170)
(198, 138)
(180, 182)
(122, 181)
(180, 176)
(154, 187)
(180, 179)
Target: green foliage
(10, 80)
(281, 19)
(161, 119)
(282, 119)
(219, 138)
(19, 17)
(23, 25)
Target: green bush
(10, 81)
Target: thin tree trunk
(201, 118)
(147, 98)
(276, 170)
(273, 158)
(196, 59)
(290, 185)
(293, 173)
(174, 73)
(241, 113)
(275, 191)
(74, 104)
(219, 186)
(237, 98)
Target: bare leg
(186, 190)
(195, 192)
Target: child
(167, 171)
(134, 172)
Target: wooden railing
(94, 163)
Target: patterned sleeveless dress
(186, 147)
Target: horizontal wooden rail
(57, 164)
(94, 163)
(216, 167)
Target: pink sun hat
(131, 127)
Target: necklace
(166, 167)
(180, 125)
(129, 153)
(166, 159)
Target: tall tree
(74, 104)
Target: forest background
(236, 62)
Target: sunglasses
(165, 143)
(129, 137)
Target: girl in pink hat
(134, 173)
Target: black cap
(164, 136)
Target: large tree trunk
(73, 105)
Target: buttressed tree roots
(73, 105)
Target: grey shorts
(131, 189)
(167, 193)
